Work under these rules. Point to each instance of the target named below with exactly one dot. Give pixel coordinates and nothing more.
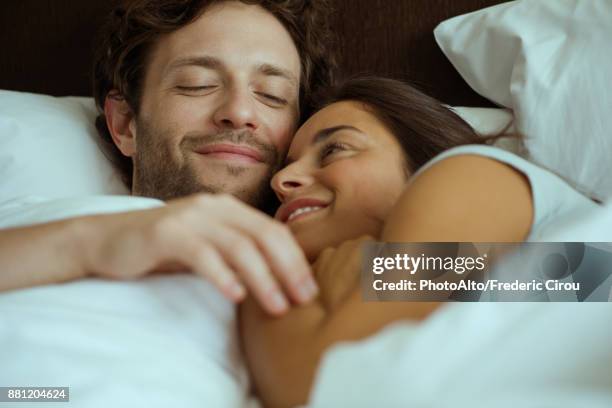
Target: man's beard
(160, 174)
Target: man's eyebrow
(274, 70)
(323, 135)
(204, 61)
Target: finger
(283, 255)
(205, 261)
(323, 260)
(245, 259)
(349, 253)
(291, 268)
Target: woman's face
(345, 172)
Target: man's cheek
(282, 130)
(182, 112)
(281, 146)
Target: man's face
(219, 106)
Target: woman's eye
(332, 149)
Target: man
(196, 97)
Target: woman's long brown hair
(423, 126)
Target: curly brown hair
(134, 26)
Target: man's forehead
(234, 34)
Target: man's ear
(121, 122)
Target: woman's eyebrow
(324, 134)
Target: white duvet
(170, 341)
(167, 341)
(484, 354)
(479, 355)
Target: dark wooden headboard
(46, 44)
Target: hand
(338, 271)
(215, 236)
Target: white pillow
(48, 147)
(164, 341)
(490, 121)
(551, 62)
(486, 121)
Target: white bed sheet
(165, 341)
(171, 341)
(484, 354)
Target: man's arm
(218, 237)
(41, 254)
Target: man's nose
(236, 111)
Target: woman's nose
(288, 181)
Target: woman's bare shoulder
(463, 198)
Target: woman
(371, 162)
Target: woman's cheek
(343, 176)
(372, 199)
(357, 189)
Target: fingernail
(279, 303)
(236, 290)
(308, 290)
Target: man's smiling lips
(228, 151)
(298, 208)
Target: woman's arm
(466, 198)
(463, 198)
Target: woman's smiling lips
(228, 151)
(299, 208)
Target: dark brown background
(46, 44)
